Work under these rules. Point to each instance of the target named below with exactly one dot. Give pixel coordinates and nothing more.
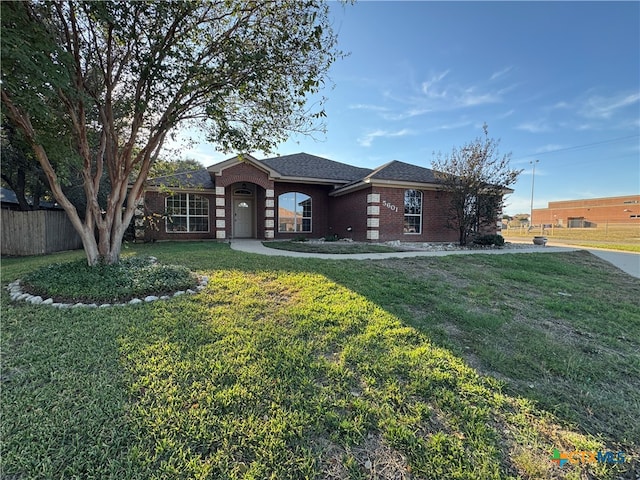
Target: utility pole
(533, 179)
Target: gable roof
(405, 172)
(188, 179)
(305, 165)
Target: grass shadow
(303, 368)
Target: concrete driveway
(626, 261)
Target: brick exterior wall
(319, 209)
(346, 211)
(155, 202)
(434, 217)
(594, 212)
(373, 214)
(256, 180)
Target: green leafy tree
(164, 167)
(19, 171)
(117, 77)
(476, 178)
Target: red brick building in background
(592, 212)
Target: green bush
(486, 240)
(132, 277)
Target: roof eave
(376, 182)
(218, 168)
(166, 189)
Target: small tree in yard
(114, 79)
(475, 177)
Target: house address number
(390, 206)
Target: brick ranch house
(298, 195)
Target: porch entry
(243, 217)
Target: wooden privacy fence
(37, 232)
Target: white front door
(243, 218)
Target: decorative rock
(16, 294)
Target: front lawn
(474, 366)
(338, 247)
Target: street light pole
(533, 178)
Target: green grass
(75, 281)
(609, 246)
(330, 247)
(451, 367)
(612, 237)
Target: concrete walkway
(628, 262)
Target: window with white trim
(294, 212)
(187, 213)
(412, 211)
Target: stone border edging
(17, 295)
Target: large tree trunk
(107, 248)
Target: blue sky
(554, 81)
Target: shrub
(331, 238)
(132, 277)
(496, 240)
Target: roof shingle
(406, 172)
(311, 166)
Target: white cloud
(412, 112)
(368, 138)
(534, 127)
(427, 87)
(469, 98)
(606, 107)
(366, 106)
(501, 73)
(452, 126)
(506, 114)
(550, 148)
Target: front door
(243, 218)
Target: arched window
(187, 213)
(294, 212)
